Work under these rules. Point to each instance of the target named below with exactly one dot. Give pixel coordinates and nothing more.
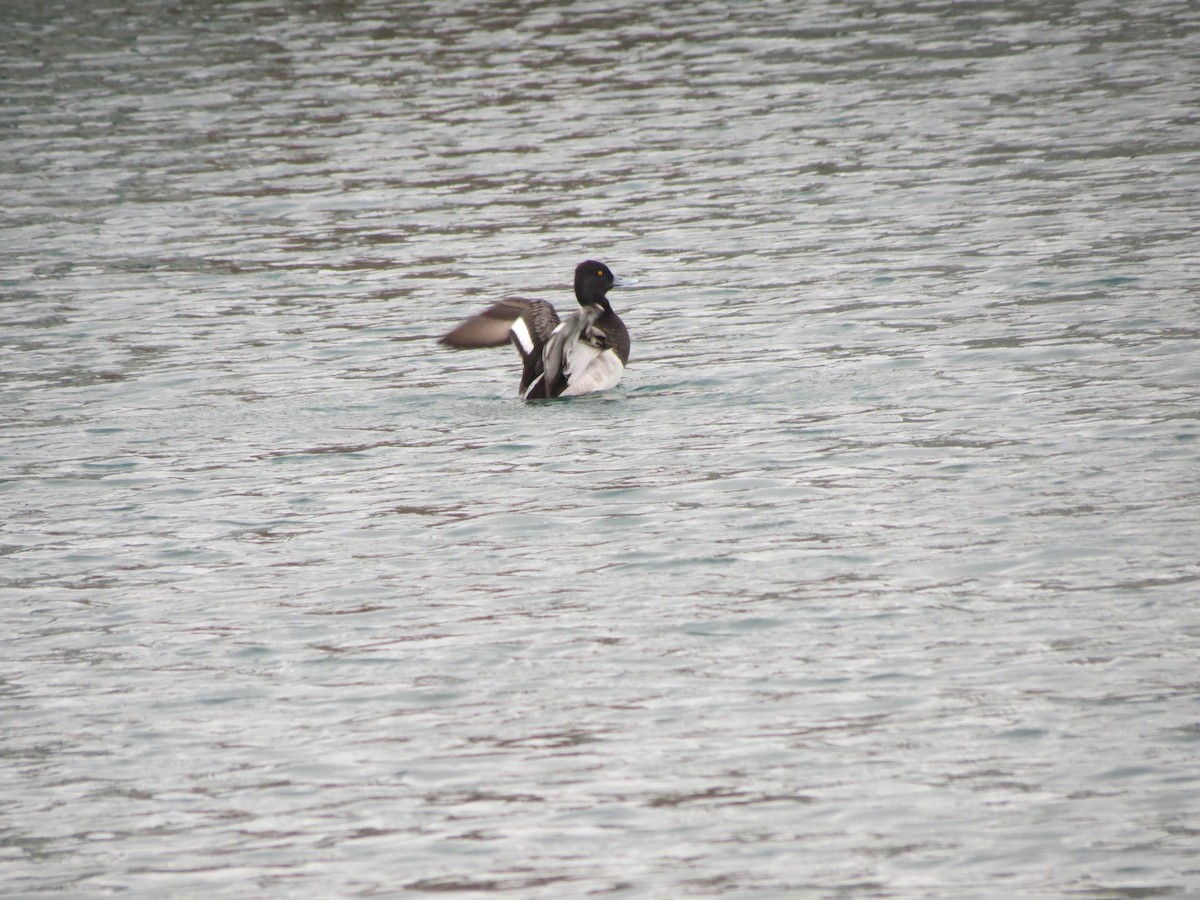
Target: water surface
(877, 577)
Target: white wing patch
(520, 331)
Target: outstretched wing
(527, 323)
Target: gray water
(877, 577)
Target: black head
(593, 280)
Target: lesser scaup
(587, 351)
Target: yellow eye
(600, 272)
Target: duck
(585, 352)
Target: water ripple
(874, 577)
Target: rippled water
(877, 577)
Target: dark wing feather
(491, 327)
(541, 318)
(488, 329)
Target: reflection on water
(874, 578)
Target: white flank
(520, 331)
(589, 369)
